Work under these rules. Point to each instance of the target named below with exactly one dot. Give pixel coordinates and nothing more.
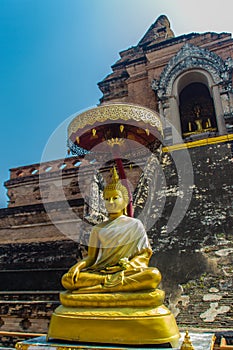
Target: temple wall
(149, 63)
(196, 258)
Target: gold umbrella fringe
(115, 112)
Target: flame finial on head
(115, 176)
(115, 184)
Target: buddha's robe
(121, 252)
(123, 238)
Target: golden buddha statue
(111, 295)
(198, 124)
(118, 252)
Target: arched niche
(189, 66)
(197, 113)
(195, 105)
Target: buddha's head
(116, 196)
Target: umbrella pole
(122, 176)
(121, 172)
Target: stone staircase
(25, 314)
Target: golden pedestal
(117, 318)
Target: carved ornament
(115, 112)
(193, 57)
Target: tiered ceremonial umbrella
(120, 129)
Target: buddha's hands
(113, 269)
(124, 263)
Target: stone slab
(200, 341)
(41, 343)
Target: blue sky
(54, 52)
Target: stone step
(29, 295)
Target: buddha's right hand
(73, 273)
(76, 274)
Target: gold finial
(77, 139)
(147, 132)
(93, 132)
(115, 176)
(121, 128)
(187, 345)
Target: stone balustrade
(39, 182)
(47, 167)
(55, 181)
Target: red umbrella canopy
(126, 128)
(118, 130)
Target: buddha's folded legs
(121, 281)
(147, 279)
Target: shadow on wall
(178, 267)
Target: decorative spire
(115, 176)
(159, 31)
(187, 344)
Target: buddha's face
(114, 201)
